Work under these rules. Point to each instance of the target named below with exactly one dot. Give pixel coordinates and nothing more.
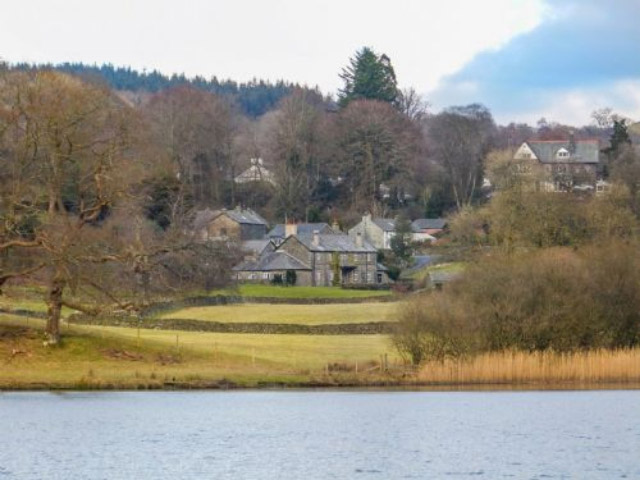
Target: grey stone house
(568, 165)
(375, 230)
(316, 259)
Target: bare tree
(412, 104)
(295, 147)
(460, 137)
(195, 130)
(376, 144)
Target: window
(266, 276)
(223, 232)
(562, 153)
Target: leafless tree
(460, 137)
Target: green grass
(291, 314)
(92, 356)
(259, 290)
(26, 298)
(449, 267)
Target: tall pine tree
(368, 76)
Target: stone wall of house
(355, 268)
(370, 232)
(223, 227)
(296, 249)
(303, 277)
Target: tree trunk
(54, 309)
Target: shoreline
(376, 386)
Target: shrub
(553, 299)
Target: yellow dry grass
(291, 314)
(600, 366)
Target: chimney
(316, 238)
(366, 218)
(335, 227)
(572, 143)
(359, 242)
(290, 229)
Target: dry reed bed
(600, 366)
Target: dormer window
(562, 153)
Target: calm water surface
(309, 435)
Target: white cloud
(308, 42)
(574, 106)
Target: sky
(524, 59)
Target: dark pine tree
(368, 76)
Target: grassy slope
(291, 314)
(32, 298)
(450, 267)
(250, 290)
(103, 356)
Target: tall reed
(517, 367)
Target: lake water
(320, 435)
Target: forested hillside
(253, 98)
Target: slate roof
(246, 216)
(386, 224)
(302, 229)
(428, 224)
(271, 261)
(256, 246)
(335, 243)
(586, 151)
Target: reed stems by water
(514, 367)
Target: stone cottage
(375, 231)
(237, 224)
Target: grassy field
(448, 268)
(115, 357)
(26, 298)
(259, 290)
(99, 357)
(32, 298)
(291, 314)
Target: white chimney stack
(290, 229)
(316, 238)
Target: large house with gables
(567, 165)
(317, 259)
